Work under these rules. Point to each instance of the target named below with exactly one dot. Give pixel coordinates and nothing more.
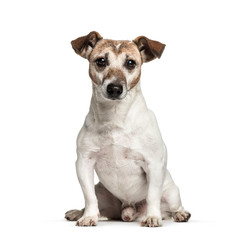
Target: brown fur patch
(93, 78)
(149, 49)
(134, 83)
(117, 73)
(125, 46)
(83, 45)
(105, 43)
(128, 46)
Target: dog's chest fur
(119, 165)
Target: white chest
(119, 168)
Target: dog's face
(115, 66)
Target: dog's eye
(101, 62)
(130, 64)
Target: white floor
(62, 229)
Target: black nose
(114, 90)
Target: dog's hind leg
(109, 206)
(171, 197)
(74, 215)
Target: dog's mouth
(116, 98)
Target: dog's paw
(74, 215)
(87, 221)
(128, 214)
(152, 222)
(182, 216)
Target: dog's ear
(83, 46)
(149, 49)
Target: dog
(121, 141)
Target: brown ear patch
(149, 49)
(84, 45)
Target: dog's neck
(117, 112)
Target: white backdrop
(196, 91)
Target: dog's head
(115, 66)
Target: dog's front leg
(85, 173)
(155, 176)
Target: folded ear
(149, 49)
(83, 46)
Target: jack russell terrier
(121, 141)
